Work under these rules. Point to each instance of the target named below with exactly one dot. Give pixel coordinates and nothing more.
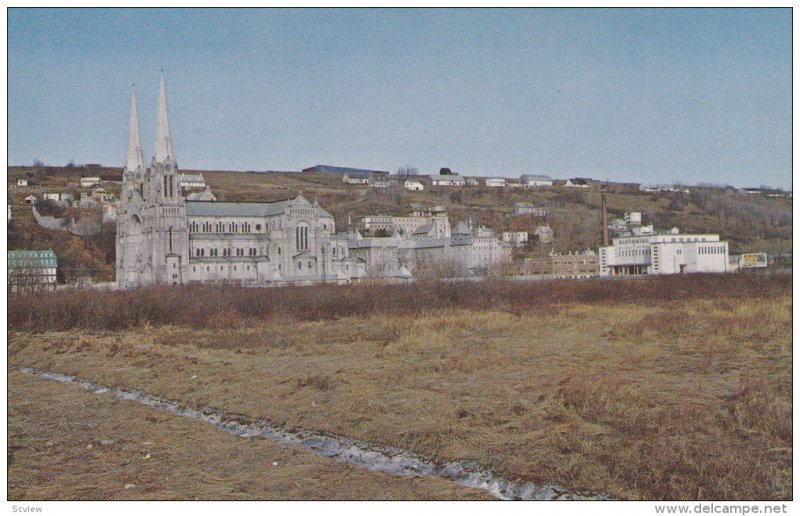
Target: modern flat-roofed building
(670, 252)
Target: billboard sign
(753, 260)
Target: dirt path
(68, 444)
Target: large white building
(648, 252)
(466, 252)
(436, 218)
(163, 238)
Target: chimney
(605, 215)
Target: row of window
(643, 251)
(712, 249)
(223, 227)
(200, 251)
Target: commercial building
(650, 252)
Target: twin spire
(163, 145)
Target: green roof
(24, 258)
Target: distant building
(467, 252)
(649, 252)
(329, 169)
(89, 182)
(523, 208)
(471, 181)
(22, 182)
(31, 199)
(533, 180)
(406, 225)
(412, 185)
(495, 182)
(544, 234)
(205, 195)
(516, 238)
(187, 181)
(378, 181)
(583, 264)
(30, 271)
(633, 218)
(577, 183)
(448, 180)
(356, 178)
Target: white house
(191, 181)
(88, 182)
(495, 181)
(414, 186)
(354, 178)
(448, 180)
(533, 180)
(22, 182)
(648, 252)
(31, 199)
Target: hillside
(751, 223)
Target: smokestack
(605, 215)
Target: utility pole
(605, 215)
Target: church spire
(134, 158)
(163, 148)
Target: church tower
(170, 232)
(131, 239)
(152, 229)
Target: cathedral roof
(234, 209)
(243, 209)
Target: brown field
(652, 389)
(67, 444)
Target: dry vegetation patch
(682, 396)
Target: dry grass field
(657, 389)
(67, 444)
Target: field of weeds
(655, 389)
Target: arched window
(301, 236)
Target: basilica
(164, 238)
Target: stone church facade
(164, 239)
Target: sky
(639, 95)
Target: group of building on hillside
(172, 230)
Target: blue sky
(627, 95)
